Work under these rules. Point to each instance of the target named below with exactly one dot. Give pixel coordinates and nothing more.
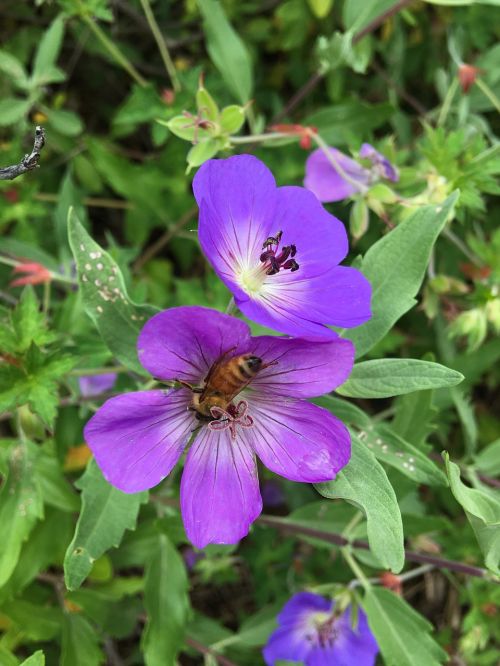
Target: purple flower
(137, 438)
(310, 632)
(277, 249)
(91, 385)
(334, 183)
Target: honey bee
(226, 378)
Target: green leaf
(38, 623)
(47, 53)
(44, 547)
(55, 489)
(28, 324)
(14, 68)
(167, 605)
(395, 451)
(364, 483)
(482, 508)
(383, 378)
(403, 635)
(36, 659)
(232, 118)
(65, 122)
(414, 415)
(106, 513)
(395, 266)
(344, 410)
(105, 297)
(488, 460)
(320, 8)
(80, 642)
(202, 152)
(20, 508)
(341, 124)
(12, 110)
(357, 14)
(226, 50)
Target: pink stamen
(230, 418)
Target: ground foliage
(133, 97)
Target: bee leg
(193, 389)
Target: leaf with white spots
(105, 297)
(390, 448)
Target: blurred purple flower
(277, 249)
(137, 438)
(91, 385)
(191, 556)
(312, 634)
(272, 493)
(334, 184)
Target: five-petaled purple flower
(137, 438)
(311, 633)
(277, 249)
(340, 176)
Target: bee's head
(254, 362)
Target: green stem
(447, 233)
(356, 569)
(445, 109)
(114, 51)
(360, 187)
(488, 92)
(162, 47)
(259, 138)
(231, 307)
(46, 297)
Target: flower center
(323, 631)
(272, 261)
(231, 417)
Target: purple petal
(183, 343)
(327, 183)
(237, 200)
(220, 495)
(301, 604)
(303, 368)
(137, 438)
(289, 641)
(351, 646)
(286, 645)
(385, 168)
(91, 385)
(341, 297)
(297, 440)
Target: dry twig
(29, 162)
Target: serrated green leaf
(167, 605)
(20, 508)
(384, 378)
(105, 297)
(403, 636)
(395, 266)
(29, 323)
(106, 513)
(364, 483)
(226, 50)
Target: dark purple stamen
(274, 262)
